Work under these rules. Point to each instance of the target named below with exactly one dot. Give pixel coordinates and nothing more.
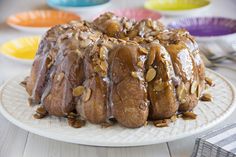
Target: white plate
(14, 107)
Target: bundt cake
(116, 69)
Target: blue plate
(76, 3)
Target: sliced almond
(78, 123)
(103, 52)
(150, 74)
(78, 91)
(209, 81)
(161, 123)
(87, 94)
(140, 64)
(143, 50)
(41, 110)
(194, 87)
(206, 97)
(173, 118)
(38, 116)
(151, 57)
(189, 116)
(182, 93)
(134, 74)
(103, 65)
(199, 90)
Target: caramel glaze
(110, 57)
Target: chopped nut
(78, 91)
(194, 86)
(150, 74)
(181, 93)
(41, 110)
(206, 97)
(189, 116)
(87, 94)
(209, 81)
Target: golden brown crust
(128, 93)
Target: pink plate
(137, 13)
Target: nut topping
(209, 81)
(140, 64)
(103, 52)
(87, 94)
(181, 93)
(161, 123)
(143, 50)
(206, 97)
(78, 91)
(194, 87)
(199, 90)
(103, 65)
(189, 116)
(151, 57)
(134, 74)
(150, 74)
(41, 110)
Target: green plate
(175, 5)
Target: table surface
(15, 142)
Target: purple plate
(206, 26)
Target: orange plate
(41, 18)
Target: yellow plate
(176, 6)
(22, 48)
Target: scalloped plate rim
(180, 12)
(65, 138)
(207, 38)
(20, 60)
